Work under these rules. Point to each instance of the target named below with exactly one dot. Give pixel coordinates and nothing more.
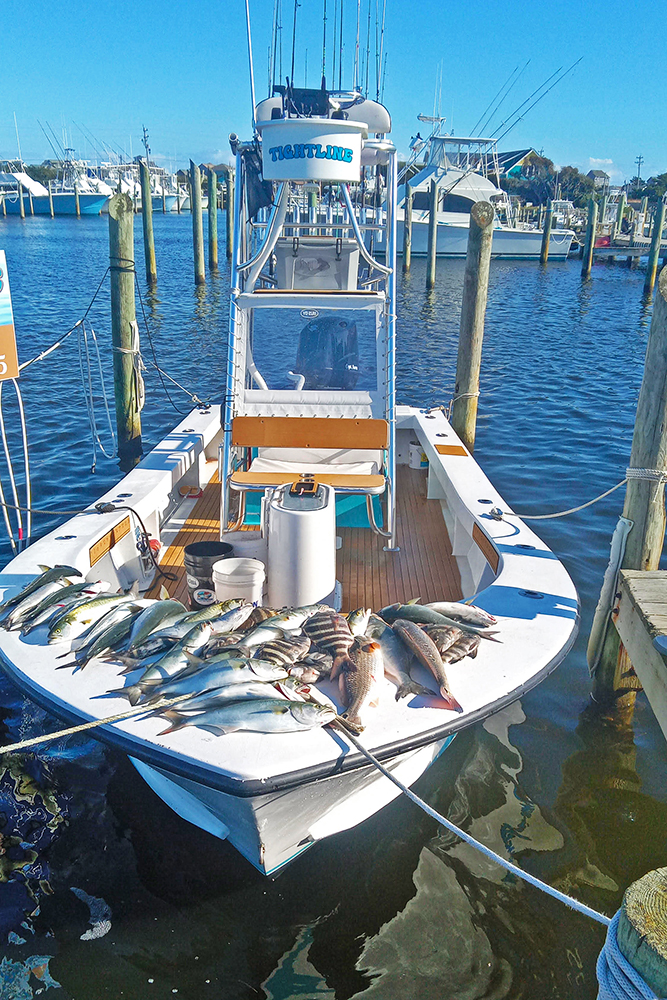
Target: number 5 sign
(9, 362)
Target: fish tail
(489, 635)
(354, 722)
(132, 693)
(177, 722)
(341, 662)
(412, 687)
(451, 701)
(64, 666)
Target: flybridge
(301, 150)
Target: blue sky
(180, 68)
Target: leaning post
(124, 331)
(229, 207)
(212, 220)
(432, 235)
(473, 309)
(407, 227)
(587, 259)
(147, 223)
(654, 252)
(546, 233)
(644, 498)
(197, 223)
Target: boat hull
(452, 241)
(63, 204)
(271, 830)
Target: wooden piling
(212, 220)
(124, 333)
(587, 257)
(546, 233)
(654, 252)
(147, 223)
(644, 500)
(32, 204)
(164, 199)
(77, 203)
(4, 206)
(407, 227)
(51, 212)
(197, 223)
(178, 198)
(602, 213)
(620, 212)
(432, 235)
(473, 309)
(21, 205)
(642, 929)
(229, 205)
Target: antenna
(296, 6)
(368, 48)
(340, 52)
(252, 74)
(356, 49)
(18, 141)
(324, 47)
(380, 82)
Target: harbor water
(105, 893)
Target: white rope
(562, 513)
(574, 904)
(617, 978)
(89, 393)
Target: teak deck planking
(424, 568)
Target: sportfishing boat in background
(16, 185)
(345, 501)
(463, 168)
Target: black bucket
(199, 559)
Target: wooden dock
(642, 617)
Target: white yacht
(464, 169)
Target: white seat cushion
(344, 461)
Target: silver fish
(76, 620)
(469, 613)
(358, 620)
(17, 614)
(421, 615)
(181, 657)
(66, 597)
(158, 614)
(115, 632)
(396, 658)
(223, 696)
(427, 654)
(48, 576)
(259, 715)
(208, 678)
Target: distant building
(600, 179)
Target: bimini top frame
(254, 245)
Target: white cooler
(302, 546)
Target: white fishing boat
(365, 502)
(464, 168)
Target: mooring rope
(574, 904)
(617, 978)
(657, 476)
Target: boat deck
(424, 568)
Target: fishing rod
(483, 114)
(562, 77)
(529, 98)
(296, 6)
(324, 47)
(252, 73)
(57, 142)
(378, 64)
(501, 102)
(340, 49)
(55, 151)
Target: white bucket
(416, 457)
(239, 578)
(248, 544)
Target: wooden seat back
(310, 432)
